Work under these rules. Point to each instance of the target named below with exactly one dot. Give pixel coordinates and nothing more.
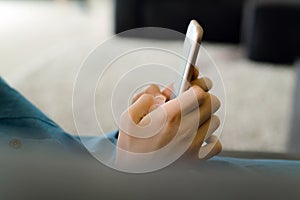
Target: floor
(43, 45)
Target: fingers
(186, 102)
(195, 74)
(152, 90)
(167, 92)
(141, 107)
(204, 83)
(210, 106)
(158, 101)
(204, 132)
(205, 110)
(212, 148)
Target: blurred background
(254, 43)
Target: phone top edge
(194, 31)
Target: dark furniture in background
(221, 19)
(294, 139)
(269, 30)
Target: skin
(152, 99)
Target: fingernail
(160, 99)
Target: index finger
(195, 73)
(186, 102)
(168, 90)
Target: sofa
(269, 30)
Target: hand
(187, 120)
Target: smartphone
(191, 48)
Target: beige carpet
(43, 45)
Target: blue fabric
(290, 168)
(24, 127)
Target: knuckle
(153, 88)
(207, 82)
(198, 91)
(215, 102)
(219, 147)
(216, 121)
(173, 119)
(206, 79)
(147, 98)
(204, 82)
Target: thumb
(141, 107)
